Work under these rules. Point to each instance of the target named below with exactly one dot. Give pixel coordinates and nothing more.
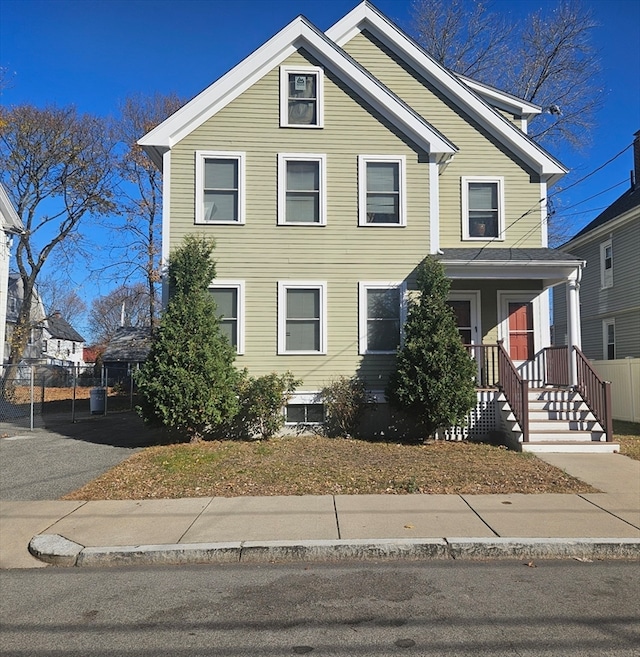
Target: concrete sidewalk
(333, 527)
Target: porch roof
(550, 266)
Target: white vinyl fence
(624, 375)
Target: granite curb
(60, 551)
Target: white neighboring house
(52, 340)
(11, 225)
(61, 343)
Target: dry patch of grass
(313, 465)
(628, 435)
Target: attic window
(301, 97)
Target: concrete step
(541, 436)
(588, 447)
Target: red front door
(520, 330)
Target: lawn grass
(628, 435)
(315, 465)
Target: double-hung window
(482, 208)
(229, 298)
(302, 317)
(381, 315)
(609, 339)
(606, 264)
(301, 189)
(220, 187)
(301, 97)
(381, 190)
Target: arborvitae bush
(434, 380)
(189, 382)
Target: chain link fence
(32, 391)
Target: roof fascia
(366, 16)
(501, 99)
(11, 222)
(551, 273)
(299, 33)
(601, 231)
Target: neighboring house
(11, 225)
(52, 340)
(61, 343)
(610, 286)
(327, 166)
(15, 296)
(126, 351)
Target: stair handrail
(596, 393)
(515, 389)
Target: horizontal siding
(620, 302)
(340, 253)
(479, 154)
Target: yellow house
(327, 166)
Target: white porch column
(573, 323)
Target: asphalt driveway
(49, 462)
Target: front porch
(532, 405)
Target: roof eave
(299, 33)
(367, 16)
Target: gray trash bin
(97, 400)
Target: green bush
(345, 402)
(260, 405)
(434, 380)
(189, 383)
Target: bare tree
(57, 167)
(126, 305)
(141, 191)
(56, 295)
(546, 59)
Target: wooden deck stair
(560, 421)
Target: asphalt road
(510, 609)
(45, 464)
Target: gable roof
(128, 344)
(11, 222)
(300, 33)
(622, 205)
(60, 329)
(366, 17)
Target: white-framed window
(12, 305)
(381, 312)
(301, 97)
(304, 413)
(483, 208)
(229, 298)
(302, 317)
(382, 190)
(609, 339)
(220, 187)
(606, 264)
(302, 196)
(304, 408)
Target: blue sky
(95, 53)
